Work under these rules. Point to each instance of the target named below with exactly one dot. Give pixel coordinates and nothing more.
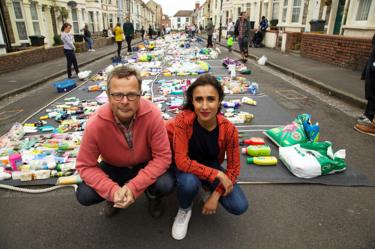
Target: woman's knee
(187, 182)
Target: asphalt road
(279, 215)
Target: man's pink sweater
(103, 137)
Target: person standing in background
(87, 37)
(210, 30)
(69, 49)
(366, 122)
(129, 33)
(242, 32)
(119, 37)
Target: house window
(248, 9)
(363, 10)
(20, 21)
(275, 9)
(297, 4)
(239, 11)
(75, 21)
(83, 15)
(34, 18)
(111, 20)
(178, 19)
(285, 10)
(91, 21)
(187, 19)
(265, 9)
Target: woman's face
(206, 103)
(67, 29)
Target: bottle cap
(244, 151)
(250, 160)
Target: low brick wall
(33, 55)
(349, 52)
(18, 60)
(293, 41)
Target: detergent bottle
(263, 161)
(254, 141)
(257, 150)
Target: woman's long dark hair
(204, 79)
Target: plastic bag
(262, 60)
(308, 160)
(295, 132)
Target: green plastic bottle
(258, 150)
(263, 160)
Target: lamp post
(221, 16)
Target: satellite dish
(72, 4)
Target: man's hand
(123, 197)
(210, 205)
(226, 182)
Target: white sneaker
(180, 224)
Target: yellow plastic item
(67, 180)
(44, 117)
(262, 160)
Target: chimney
(196, 5)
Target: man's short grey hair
(124, 72)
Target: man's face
(244, 15)
(127, 19)
(124, 109)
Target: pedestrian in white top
(69, 49)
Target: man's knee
(165, 183)
(86, 196)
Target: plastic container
(263, 161)
(254, 141)
(15, 161)
(257, 150)
(65, 85)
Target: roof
(183, 13)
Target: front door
(339, 14)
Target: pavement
(343, 83)
(16, 82)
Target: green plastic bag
(308, 160)
(290, 134)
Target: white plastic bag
(262, 60)
(83, 75)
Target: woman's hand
(210, 205)
(226, 182)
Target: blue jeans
(188, 187)
(89, 42)
(88, 196)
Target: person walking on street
(129, 135)
(210, 30)
(150, 32)
(230, 28)
(88, 39)
(242, 32)
(143, 33)
(119, 38)
(200, 137)
(69, 49)
(129, 33)
(366, 123)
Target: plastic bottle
(263, 161)
(248, 101)
(254, 141)
(257, 150)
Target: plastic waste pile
(239, 66)
(39, 156)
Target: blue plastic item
(65, 85)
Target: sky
(170, 7)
